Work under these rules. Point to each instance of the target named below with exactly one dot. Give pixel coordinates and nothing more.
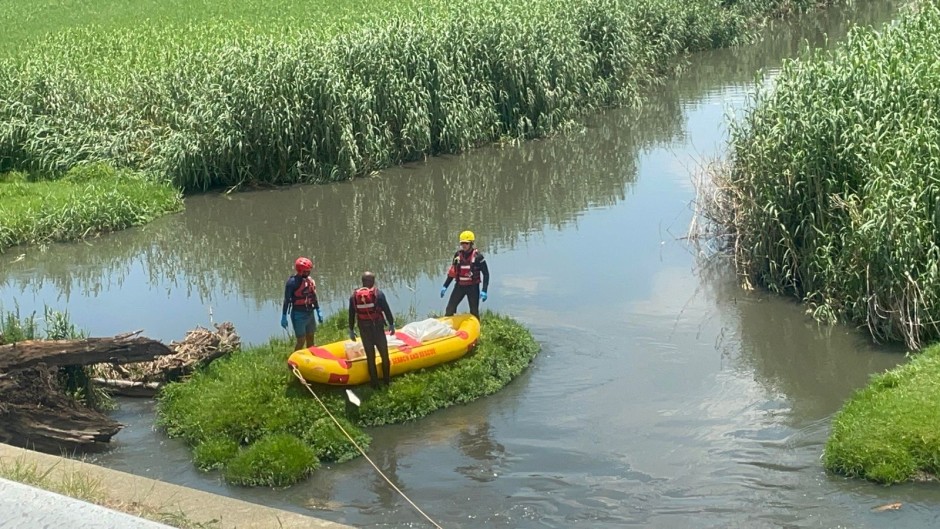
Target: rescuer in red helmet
(300, 299)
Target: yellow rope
(361, 451)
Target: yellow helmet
(466, 236)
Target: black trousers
(372, 333)
(472, 293)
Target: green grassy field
(28, 23)
(88, 200)
(212, 95)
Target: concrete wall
(25, 507)
(122, 488)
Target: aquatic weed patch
(249, 417)
(833, 189)
(505, 350)
(245, 415)
(274, 460)
(888, 432)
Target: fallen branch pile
(144, 379)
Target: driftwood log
(34, 410)
(121, 349)
(128, 388)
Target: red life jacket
(366, 303)
(465, 268)
(305, 293)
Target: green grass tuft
(215, 453)
(275, 460)
(330, 443)
(889, 432)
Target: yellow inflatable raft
(328, 364)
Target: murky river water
(665, 396)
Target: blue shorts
(305, 322)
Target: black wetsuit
(471, 292)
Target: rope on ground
(361, 451)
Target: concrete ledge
(196, 505)
(26, 507)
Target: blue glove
(391, 330)
(483, 296)
(443, 289)
(320, 315)
(284, 320)
(352, 335)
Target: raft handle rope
(361, 451)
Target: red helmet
(302, 264)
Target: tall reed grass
(235, 107)
(833, 193)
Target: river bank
(664, 396)
(396, 89)
(887, 432)
(831, 196)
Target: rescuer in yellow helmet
(469, 269)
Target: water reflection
(476, 442)
(401, 224)
(812, 364)
(385, 458)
